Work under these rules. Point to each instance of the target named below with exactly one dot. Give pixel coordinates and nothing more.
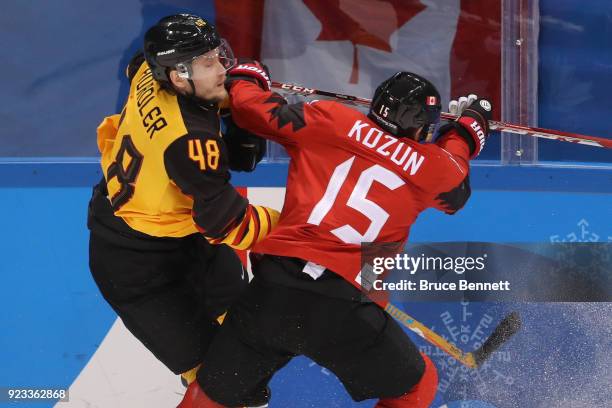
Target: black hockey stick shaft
(493, 125)
(504, 330)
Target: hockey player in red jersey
(352, 179)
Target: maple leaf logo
(362, 22)
(286, 113)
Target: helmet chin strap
(192, 86)
(206, 104)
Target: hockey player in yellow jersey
(164, 218)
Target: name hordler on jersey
(153, 120)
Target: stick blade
(507, 328)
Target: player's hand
(457, 106)
(249, 70)
(245, 149)
(473, 122)
(473, 107)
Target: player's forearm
(216, 210)
(202, 173)
(255, 224)
(458, 149)
(453, 200)
(253, 109)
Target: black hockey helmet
(404, 103)
(175, 41)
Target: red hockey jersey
(348, 181)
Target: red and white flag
(350, 46)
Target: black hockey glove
(249, 70)
(245, 149)
(473, 122)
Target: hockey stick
(504, 330)
(493, 125)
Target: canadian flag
(350, 46)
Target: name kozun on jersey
(152, 120)
(388, 146)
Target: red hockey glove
(249, 70)
(473, 122)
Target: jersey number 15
(357, 200)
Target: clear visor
(212, 64)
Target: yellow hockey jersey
(166, 169)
